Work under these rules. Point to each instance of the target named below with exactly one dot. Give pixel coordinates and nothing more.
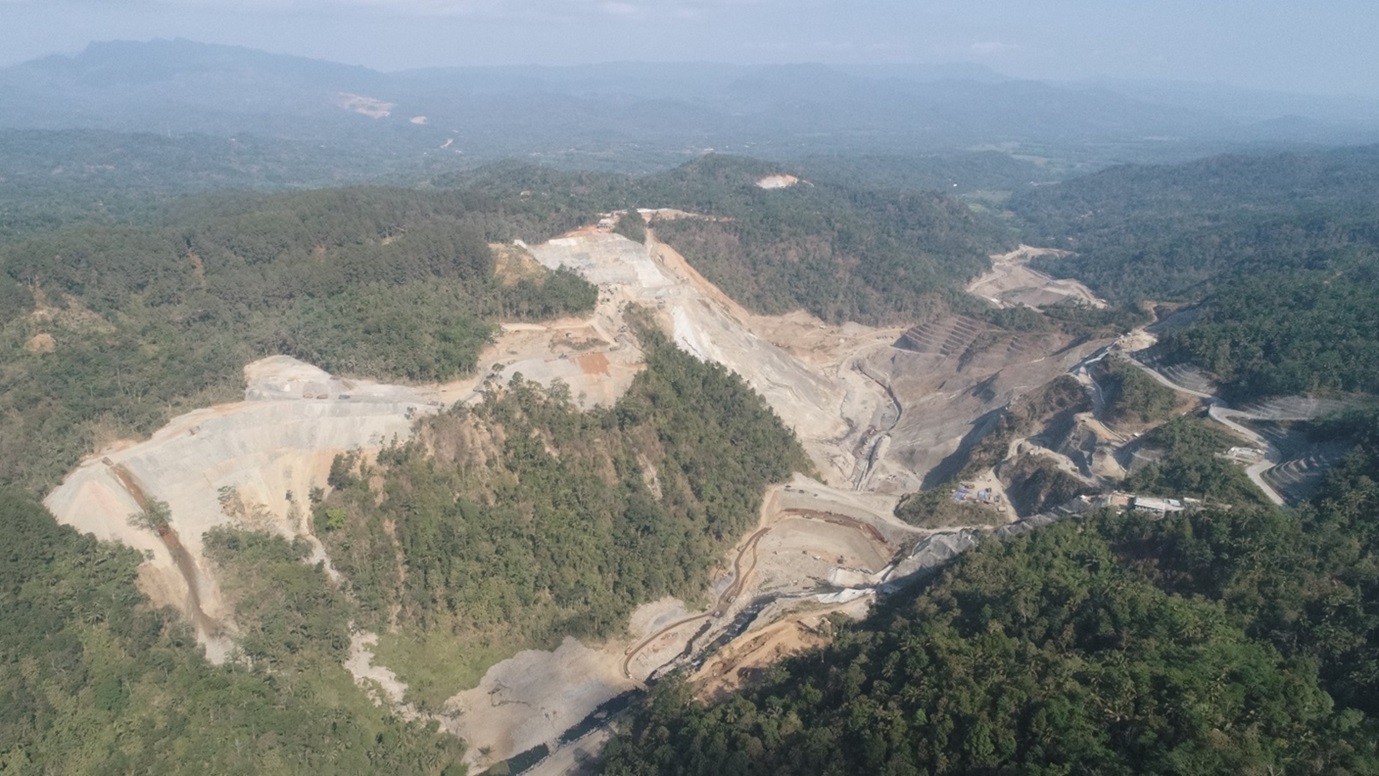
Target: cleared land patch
(1011, 282)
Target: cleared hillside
(99, 680)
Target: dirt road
(745, 563)
(1222, 414)
(1255, 471)
(1158, 376)
(181, 558)
(725, 600)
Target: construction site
(881, 412)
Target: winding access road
(743, 566)
(1272, 457)
(1222, 414)
(724, 600)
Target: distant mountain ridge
(626, 114)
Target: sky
(1322, 47)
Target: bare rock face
(951, 376)
(777, 182)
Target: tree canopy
(1221, 641)
(523, 520)
(1279, 252)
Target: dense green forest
(1131, 395)
(1281, 252)
(1282, 332)
(1110, 211)
(96, 681)
(632, 225)
(113, 329)
(521, 520)
(975, 175)
(55, 179)
(1243, 640)
(1187, 464)
(842, 253)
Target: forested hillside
(522, 520)
(842, 253)
(1281, 252)
(51, 179)
(118, 324)
(978, 172)
(1242, 640)
(96, 681)
(1189, 464)
(114, 329)
(1132, 396)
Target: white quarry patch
(780, 181)
(532, 698)
(368, 106)
(842, 596)
(612, 262)
(687, 337)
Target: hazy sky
(1323, 46)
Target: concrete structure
(1156, 506)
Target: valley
(595, 473)
(881, 412)
(707, 389)
(875, 420)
